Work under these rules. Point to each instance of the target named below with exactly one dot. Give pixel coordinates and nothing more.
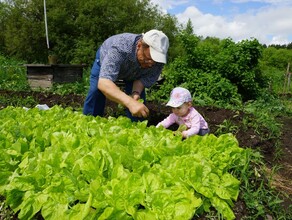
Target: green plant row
(65, 165)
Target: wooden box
(43, 76)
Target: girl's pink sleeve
(167, 121)
(195, 125)
(192, 131)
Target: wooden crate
(43, 76)
(40, 81)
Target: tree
(76, 27)
(278, 58)
(189, 27)
(3, 16)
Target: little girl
(183, 113)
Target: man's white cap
(179, 96)
(158, 43)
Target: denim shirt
(118, 60)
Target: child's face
(182, 110)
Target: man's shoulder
(123, 37)
(122, 42)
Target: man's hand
(112, 92)
(138, 109)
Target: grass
(226, 127)
(260, 198)
(18, 102)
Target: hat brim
(174, 104)
(157, 56)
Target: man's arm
(137, 89)
(112, 92)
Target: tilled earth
(246, 136)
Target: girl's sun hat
(179, 96)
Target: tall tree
(76, 27)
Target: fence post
(287, 80)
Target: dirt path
(283, 178)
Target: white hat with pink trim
(179, 96)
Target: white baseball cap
(179, 96)
(158, 43)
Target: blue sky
(269, 21)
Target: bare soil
(246, 136)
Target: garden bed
(217, 119)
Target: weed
(257, 185)
(226, 127)
(18, 102)
(278, 150)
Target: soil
(247, 136)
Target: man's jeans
(95, 101)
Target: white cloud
(268, 24)
(169, 4)
(271, 24)
(264, 1)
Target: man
(138, 60)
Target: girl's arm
(195, 126)
(167, 121)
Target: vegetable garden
(70, 166)
(60, 164)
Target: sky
(269, 21)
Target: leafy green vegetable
(180, 129)
(71, 166)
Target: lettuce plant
(65, 165)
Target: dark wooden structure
(43, 75)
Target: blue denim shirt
(118, 60)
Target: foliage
(239, 63)
(266, 108)
(76, 27)
(203, 86)
(222, 71)
(226, 127)
(256, 185)
(23, 27)
(277, 58)
(276, 78)
(274, 65)
(265, 111)
(80, 87)
(12, 75)
(73, 170)
(17, 101)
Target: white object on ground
(42, 107)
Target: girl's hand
(180, 131)
(182, 128)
